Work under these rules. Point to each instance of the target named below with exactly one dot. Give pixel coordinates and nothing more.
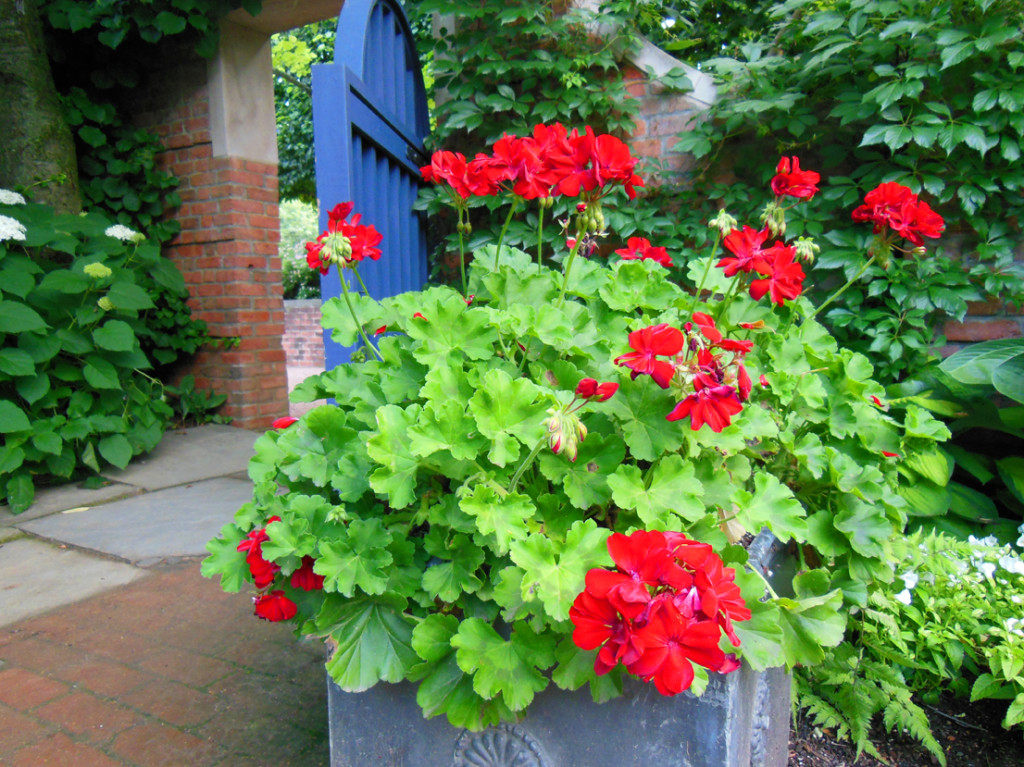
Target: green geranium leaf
(447, 689)
(396, 476)
(502, 517)
(508, 412)
(510, 668)
(640, 408)
(225, 560)
(761, 637)
(449, 580)
(360, 560)
(674, 492)
(585, 480)
(576, 668)
(866, 526)
(449, 328)
(771, 505)
(639, 284)
(374, 643)
(813, 620)
(432, 637)
(918, 422)
(446, 425)
(554, 572)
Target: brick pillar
(227, 248)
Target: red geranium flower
(640, 248)
(283, 422)
(711, 405)
(895, 206)
(649, 343)
(745, 244)
(274, 606)
(784, 277)
(450, 168)
(672, 644)
(597, 624)
(345, 242)
(262, 571)
(304, 578)
(791, 181)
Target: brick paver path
(166, 671)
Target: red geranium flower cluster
(552, 161)
(663, 608)
(780, 275)
(898, 208)
(717, 384)
(640, 248)
(790, 181)
(273, 605)
(344, 243)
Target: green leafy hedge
(76, 389)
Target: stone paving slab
(174, 522)
(190, 455)
(50, 500)
(35, 578)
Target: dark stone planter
(742, 720)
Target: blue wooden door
(369, 124)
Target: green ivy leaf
(374, 642)
(674, 492)
(510, 668)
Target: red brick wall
(663, 116)
(303, 335)
(227, 248)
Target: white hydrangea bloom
(909, 579)
(123, 233)
(989, 540)
(7, 197)
(11, 229)
(987, 569)
(1012, 564)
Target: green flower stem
(568, 268)
(501, 237)
(362, 285)
(733, 291)
(462, 249)
(526, 464)
(757, 571)
(842, 290)
(540, 235)
(707, 271)
(352, 311)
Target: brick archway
(216, 120)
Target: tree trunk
(37, 151)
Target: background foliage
(873, 91)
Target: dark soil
(971, 734)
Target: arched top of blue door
(375, 41)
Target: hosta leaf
(374, 643)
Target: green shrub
(77, 389)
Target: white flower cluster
(910, 580)
(11, 229)
(123, 233)
(7, 197)
(1014, 626)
